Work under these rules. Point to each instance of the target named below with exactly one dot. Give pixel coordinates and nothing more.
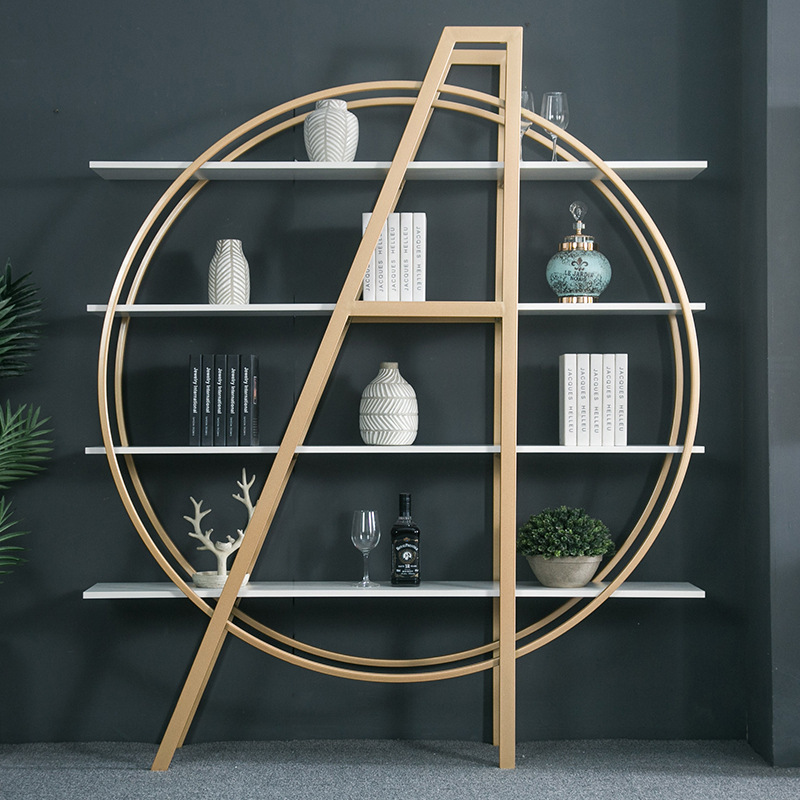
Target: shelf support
(506, 399)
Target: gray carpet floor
(378, 770)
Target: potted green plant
(564, 546)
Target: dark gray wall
(771, 165)
(755, 601)
(152, 80)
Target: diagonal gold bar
(319, 373)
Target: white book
(420, 234)
(393, 256)
(406, 256)
(583, 399)
(621, 399)
(608, 399)
(596, 399)
(381, 282)
(567, 400)
(368, 291)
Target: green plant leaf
(8, 552)
(23, 443)
(19, 325)
(563, 531)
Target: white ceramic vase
(330, 132)
(229, 274)
(388, 414)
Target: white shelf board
(377, 170)
(221, 310)
(629, 589)
(324, 309)
(367, 449)
(411, 448)
(628, 449)
(627, 170)
(602, 309)
(303, 448)
(154, 450)
(334, 589)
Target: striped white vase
(388, 412)
(229, 274)
(330, 132)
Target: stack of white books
(397, 267)
(593, 399)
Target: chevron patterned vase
(229, 274)
(388, 414)
(331, 132)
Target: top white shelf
(376, 170)
(325, 309)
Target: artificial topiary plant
(23, 446)
(558, 532)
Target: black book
(195, 399)
(248, 419)
(207, 408)
(219, 399)
(232, 400)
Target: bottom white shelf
(333, 589)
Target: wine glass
(527, 102)
(365, 534)
(556, 110)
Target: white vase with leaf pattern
(229, 274)
(330, 132)
(388, 414)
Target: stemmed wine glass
(527, 103)
(556, 110)
(365, 534)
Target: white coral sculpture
(222, 550)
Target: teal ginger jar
(578, 273)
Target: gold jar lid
(577, 241)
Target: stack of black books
(223, 400)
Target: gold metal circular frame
(683, 427)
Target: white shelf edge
(601, 308)
(412, 448)
(630, 449)
(377, 170)
(207, 310)
(308, 449)
(366, 449)
(629, 589)
(343, 589)
(150, 450)
(323, 309)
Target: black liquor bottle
(405, 546)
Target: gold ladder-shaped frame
(500, 654)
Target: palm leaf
(8, 552)
(23, 446)
(19, 326)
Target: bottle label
(405, 560)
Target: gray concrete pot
(212, 580)
(566, 572)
